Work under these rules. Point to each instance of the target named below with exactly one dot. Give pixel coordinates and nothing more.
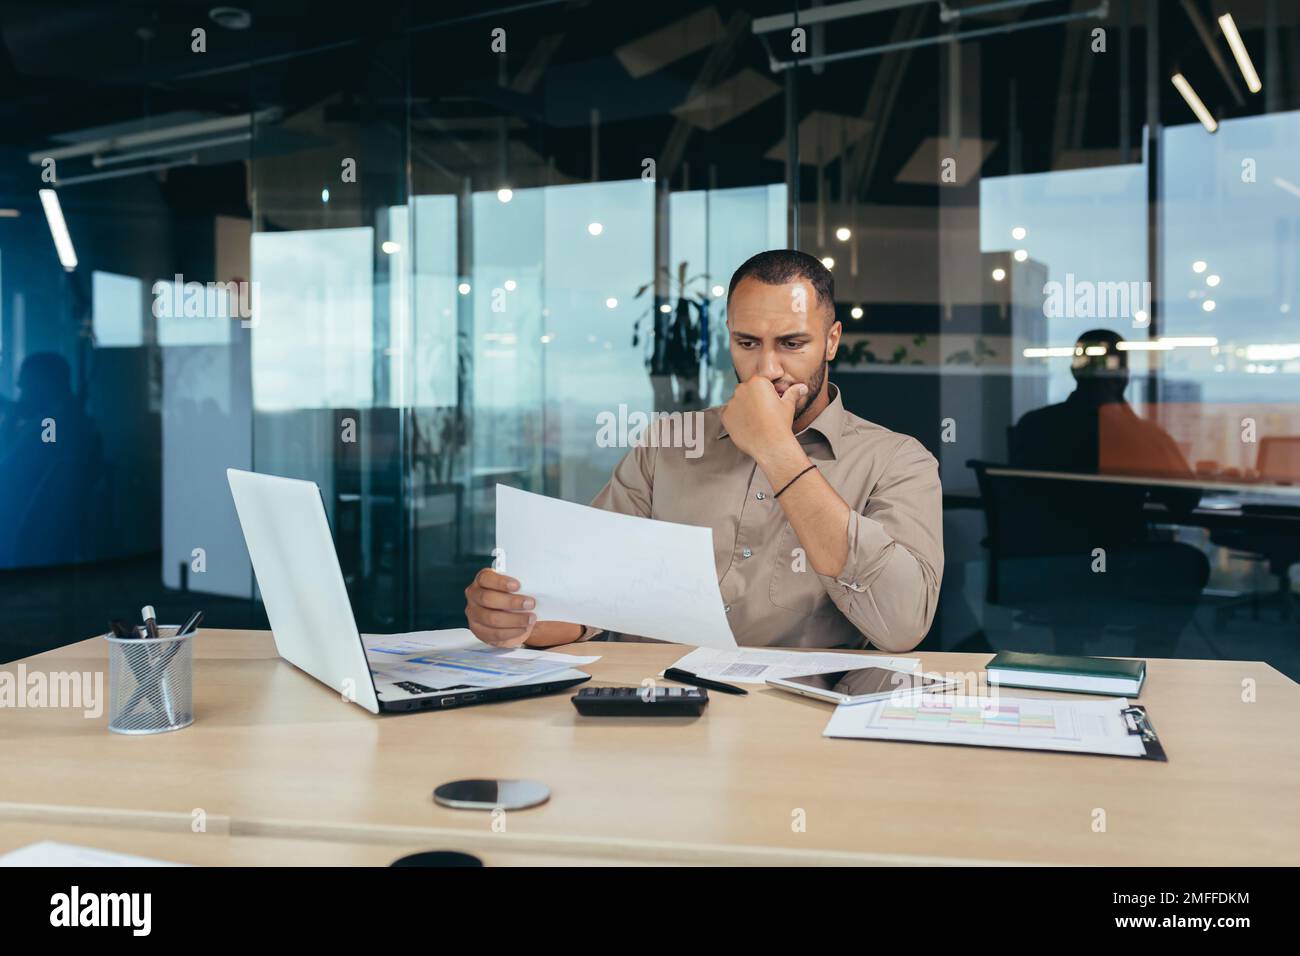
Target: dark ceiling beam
(1080, 110)
(539, 58)
(879, 107)
(830, 12)
(1065, 118)
(1295, 64)
(715, 67)
(1294, 72)
(543, 51)
(1211, 47)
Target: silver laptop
(289, 542)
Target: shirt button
(747, 553)
(760, 496)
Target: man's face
(783, 333)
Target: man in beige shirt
(827, 529)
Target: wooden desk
(277, 756)
(182, 845)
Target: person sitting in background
(1150, 583)
(1096, 432)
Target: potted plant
(676, 338)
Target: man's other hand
(497, 613)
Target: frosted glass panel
(1087, 222)
(1086, 228)
(117, 310)
(313, 334)
(591, 365)
(1231, 226)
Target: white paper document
(51, 853)
(618, 572)
(455, 658)
(379, 646)
(752, 665)
(1082, 726)
(413, 643)
(463, 669)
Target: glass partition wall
(411, 261)
(124, 374)
(580, 195)
(330, 259)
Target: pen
(150, 621)
(192, 624)
(686, 677)
(151, 628)
(195, 620)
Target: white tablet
(862, 684)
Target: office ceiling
(687, 83)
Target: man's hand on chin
(759, 419)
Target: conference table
(277, 768)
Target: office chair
(1278, 462)
(1042, 532)
(1025, 536)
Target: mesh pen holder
(150, 682)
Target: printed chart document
(414, 643)
(456, 658)
(618, 572)
(1085, 726)
(751, 665)
(463, 669)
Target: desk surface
(275, 755)
(174, 845)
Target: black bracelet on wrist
(793, 480)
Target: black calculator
(641, 701)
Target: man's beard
(815, 385)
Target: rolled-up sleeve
(889, 586)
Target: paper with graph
(1082, 726)
(456, 658)
(617, 572)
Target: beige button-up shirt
(886, 593)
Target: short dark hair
(1113, 359)
(779, 266)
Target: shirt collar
(829, 424)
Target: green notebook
(1082, 675)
